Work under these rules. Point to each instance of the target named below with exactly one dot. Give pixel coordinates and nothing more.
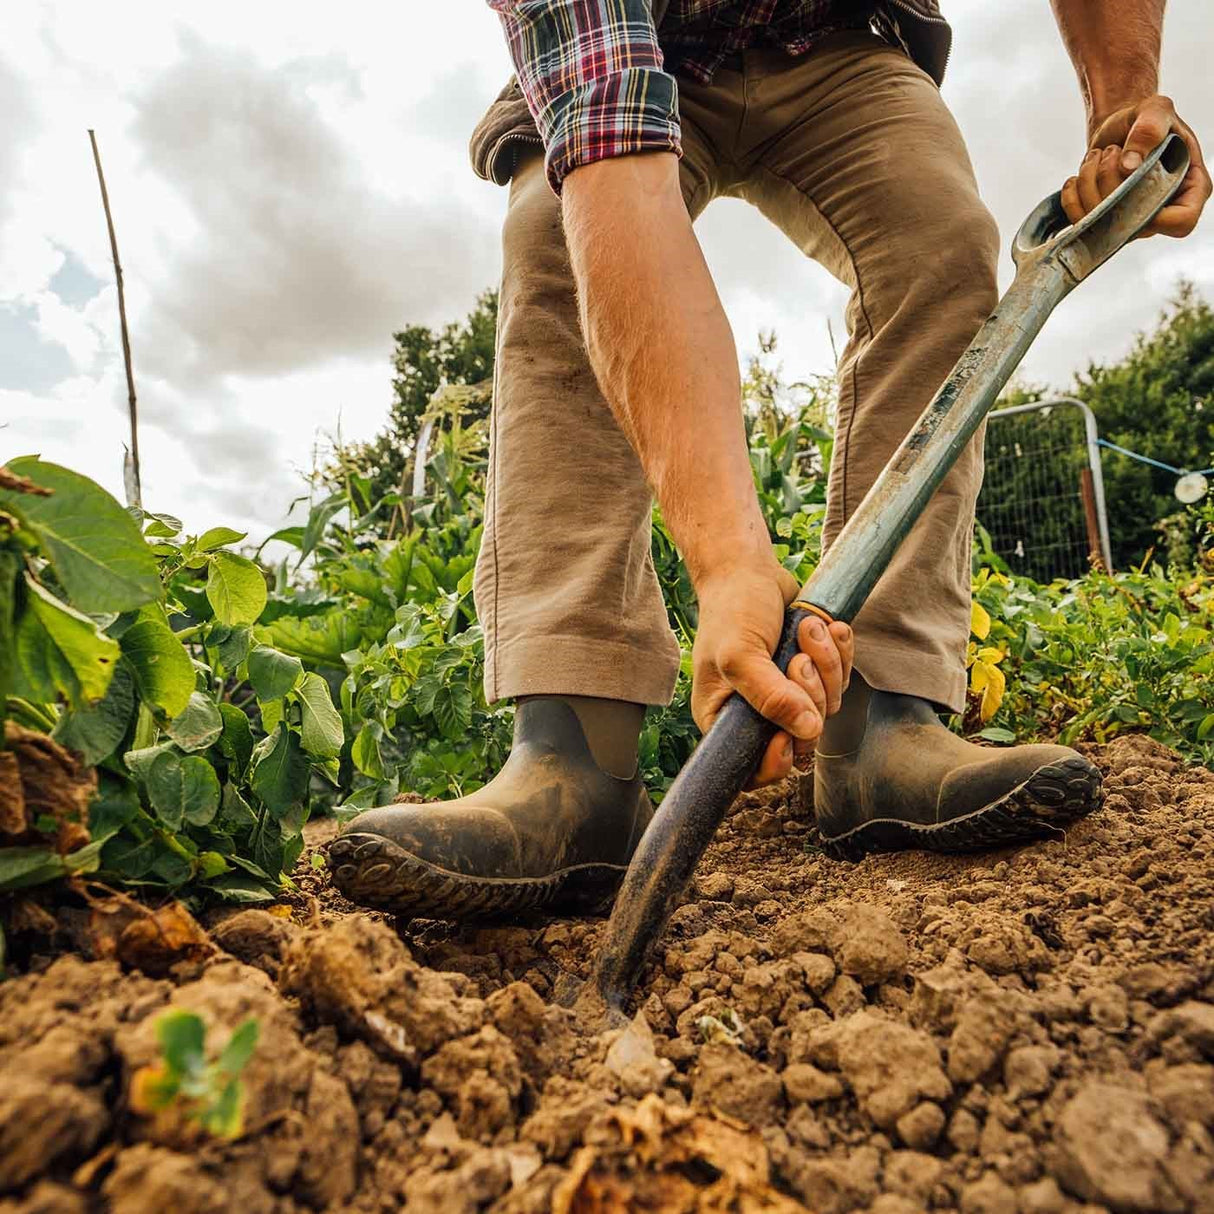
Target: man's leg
(854, 154)
(575, 625)
(565, 588)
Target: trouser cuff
(579, 666)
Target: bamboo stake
(135, 497)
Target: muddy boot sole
(373, 871)
(1045, 804)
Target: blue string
(1146, 459)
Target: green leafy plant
(1098, 656)
(183, 1082)
(139, 650)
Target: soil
(1025, 1032)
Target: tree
(1159, 401)
(423, 361)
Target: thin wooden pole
(135, 480)
(1091, 521)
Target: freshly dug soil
(1027, 1032)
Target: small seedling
(208, 1093)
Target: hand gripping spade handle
(1051, 259)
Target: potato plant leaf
(60, 651)
(218, 537)
(320, 727)
(236, 589)
(183, 788)
(236, 741)
(271, 673)
(365, 751)
(21, 867)
(198, 725)
(231, 645)
(93, 542)
(163, 671)
(95, 731)
(279, 771)
(10, 576)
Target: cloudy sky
(290, 186)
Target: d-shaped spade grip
(1051, 258)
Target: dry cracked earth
(1026, 1032)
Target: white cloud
(287, 193)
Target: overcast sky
(291, 185)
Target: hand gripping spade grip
(1051, 259)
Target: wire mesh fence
(1042, 499)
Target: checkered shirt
(599, 78)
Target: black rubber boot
(889, 776)
(550, 829)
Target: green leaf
(95, 732)
(321, 729)
(92, 541)
(225, 1117)
(139, 762)
(318, 519)
(231, 645)
(60, 651)
(240, 1047)
(162, 526)
(365, 751)
(183, 787)
(182, 1036)
(10, 576)
(453, 709)
(217, 537)
(21, 867)
(130, 859)
(288, 535)
(995, 733)
(321, 639)
(240, 887)
(1206, 728)
(273, 674)
(236, 741)
(116, 805)
(235, 814)
(280, 771)
(271, 713)
(198, 725)
(235, 588)
(164, 673)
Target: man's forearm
(1114, 45)
(662, 349)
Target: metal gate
(1042, 498)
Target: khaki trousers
(851, 151)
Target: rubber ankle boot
(888, 776)
(551, 829)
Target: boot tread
(1051, 798)
(371, 870)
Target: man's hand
(741, 615)
(1119, 142)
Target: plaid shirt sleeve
(591, 71)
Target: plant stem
(36, 715)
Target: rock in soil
(1025, 1032)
